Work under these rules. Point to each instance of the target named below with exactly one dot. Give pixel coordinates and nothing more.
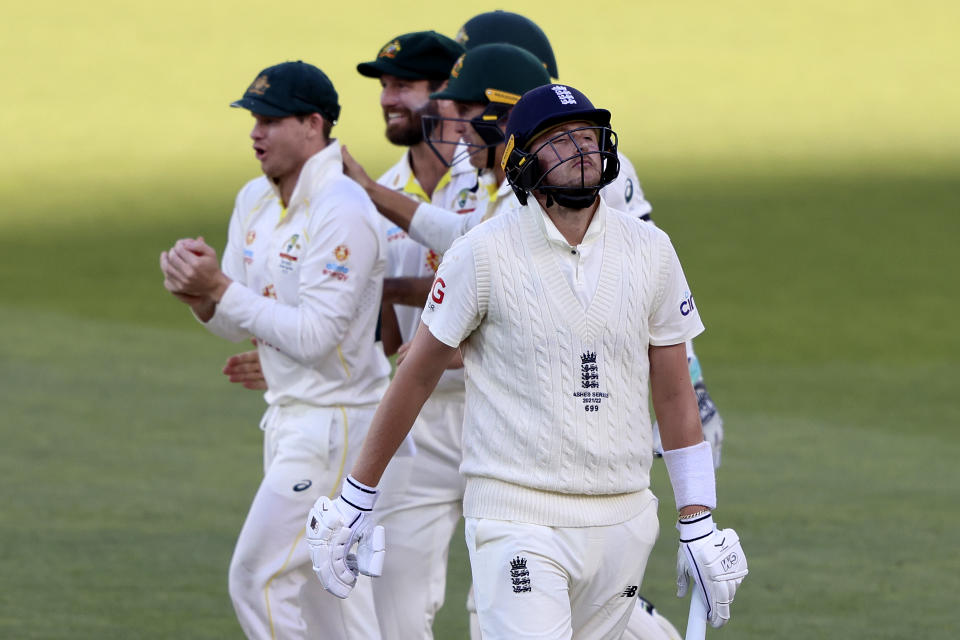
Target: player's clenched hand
(715, 561)
(333, 526)
(190, 267)
(244, 368)
(354, 170)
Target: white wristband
(358, 495)
(695, 529)
(691, 474)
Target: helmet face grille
(540, 169)
(438, 131)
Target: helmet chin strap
(491, 157)
(570, 198)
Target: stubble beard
(409, 134)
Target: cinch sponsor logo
(687, 305)
(287, 256)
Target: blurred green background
(804, 157)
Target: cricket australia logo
(290, 253)
(519, 576)
(390, 50)
(259, 86)
(563, 93)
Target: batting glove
(715, 561)
(334, 526)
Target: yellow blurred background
(111, 96)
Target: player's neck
(286, 184)
(427, 167)
(571, 223)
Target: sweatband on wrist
(358, 495)
(691, 474)
(695, 529)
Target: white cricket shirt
(306, 283)
(407, 258)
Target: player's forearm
(308, 333)
(409, 291)
(389, 329)
(392, 205)
(392, 422)
(413, 383)
(438, 228)
(674, 400)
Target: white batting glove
(715, 560)
(333, 527)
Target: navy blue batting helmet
(538, 111)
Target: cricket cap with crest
(290, 89)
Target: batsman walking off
(565, 312)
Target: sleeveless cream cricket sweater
(557, 426)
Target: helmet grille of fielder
(540, 110)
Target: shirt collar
(594, 230)
(315, 172)
(405, 181)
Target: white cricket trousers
(558, 583)
(307, 450)
(419, 507)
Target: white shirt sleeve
(674, 317)
(437, 228)
(453, 310)
(327, 299)
(232, 267)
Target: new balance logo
(563, 93)
(519, 576)
(630, 591)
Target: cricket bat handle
(697, 618)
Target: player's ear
(319, 126)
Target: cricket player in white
(564, 310)
(424, 505)
(302, 274)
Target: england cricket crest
(590, 393)
(519, 576)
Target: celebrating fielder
(301, 274)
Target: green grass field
(804, 159)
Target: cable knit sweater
(557, 427)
